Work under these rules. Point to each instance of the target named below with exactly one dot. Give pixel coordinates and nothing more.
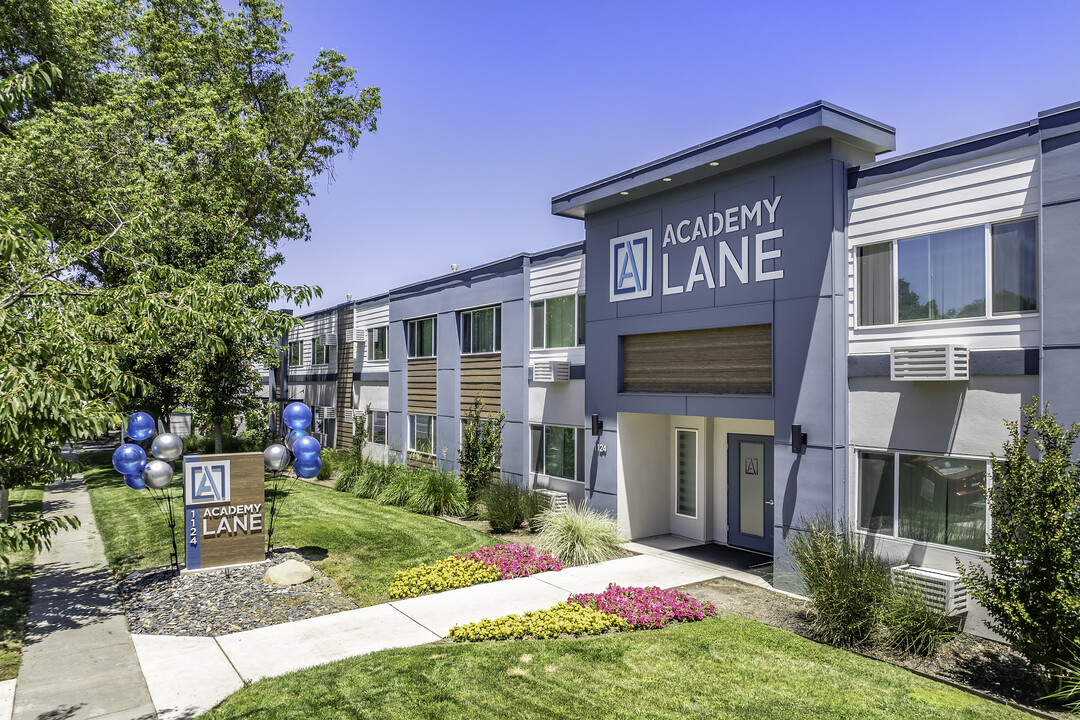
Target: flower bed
(617, 608)
(499, 562)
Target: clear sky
(491, 108)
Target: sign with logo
(223, 510)
(631, 266)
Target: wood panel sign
(224, 502)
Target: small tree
(481, 448)
(1032, 589)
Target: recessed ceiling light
(713, 164)
(667, 179)
(624, 193)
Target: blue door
(750, 492)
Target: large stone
(290, 572)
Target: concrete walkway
(78, 659)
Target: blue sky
(491, 108)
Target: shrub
(649, 607)
(532, 504)
(329, 458)
(254, 440)
(437, 492)
(847, 584)
(398, 489)
(481, 448)
(515, 560)
(502, 507)
(453, 572)
(578, 535)
(351, 466)
(1032, 589)
(375, 478)
(566, 618)
(913, 626)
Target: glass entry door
(750, 492)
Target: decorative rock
(290, 572)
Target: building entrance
(750, 492)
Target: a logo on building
(207, 482)
(631, 266)
(751, 467)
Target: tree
(1032, 589)
(481, 448)
(184, 117)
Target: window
(296, 353)
(928, 498)
(421, 337)
(558, 451)
(376, 343)
(376, 426)
(558, 322)
(686, 472)
(323, 353)
(481, 331)
(944, 276)
(422, 434)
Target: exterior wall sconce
(597, 425)
(798, 439)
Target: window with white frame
(422, 434)
(928, 498)
(481, 331)
(972, 272)
(296, 353)
(376, 343)
(376, 426)
(558, 322)
(420, 337)
(558, 451)
(322, 352)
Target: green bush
(375, 478)
(1030, 584)
(398, 491)
(351, 466)
(254, 440)
(532, 505)
(502, 506)
(330, 460)
(578, 535)
(913, 626)
(481, 448)
(847, 584)
(437, 492)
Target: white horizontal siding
(557, 278)
(322, 326)
(985, 334)
(370, 317)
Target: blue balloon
(307, 469)
(297, 416)
(129, 459)
(306, 447)
(140, 426)
(135, 482)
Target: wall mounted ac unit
(941, 590)
(350, 335)
(330, 340)
(349, 415)
(327, 413)
(555, 500)
(551, 371)
(929, 362)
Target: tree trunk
(4, 503)
(165, 422)
(217, 437)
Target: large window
(421, 337)
(945, 276)
(296, 353)
(422, 434)
(376, 343)
(558, 322)
(481, 331)
(558, 451)
(929, 498)
(376, 426)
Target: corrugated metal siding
(562, 277)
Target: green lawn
(719, 668)
(358, 543)
(24, 504)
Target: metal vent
(941, 590)
(327, 413)
(929, 362)
(555, 500)
(552, 371)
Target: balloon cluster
(130, 459)
(304, 448)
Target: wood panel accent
(481, 373)
(344, 379)
(423, 462)
(732, 360)
(422, 384)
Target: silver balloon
(291, 437)
(157, 474)
(167, 446)
(276, 457)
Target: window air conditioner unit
(348, 415)
(941, 590)
(552, 371)
(929, 362)
(350, 336)
(554, 499)
(330, 340)
(327, 413)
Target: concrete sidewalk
(187, 676)
(78, 660)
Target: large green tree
(172, 112)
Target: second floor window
(376, 343)
(296, 353)
(323, 352)
(481, 331)
(558, 322)
(421, 337)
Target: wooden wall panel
(481, 373)
(422, 386)
(344, 380)
(735, 360)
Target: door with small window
(750, 492)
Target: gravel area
(159, 602)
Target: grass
(357, 543)
(718, 668)
(24, 504)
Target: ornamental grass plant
(398, 490)
(914, 626)
(437, 492)
(578, 535)
(502, 506)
